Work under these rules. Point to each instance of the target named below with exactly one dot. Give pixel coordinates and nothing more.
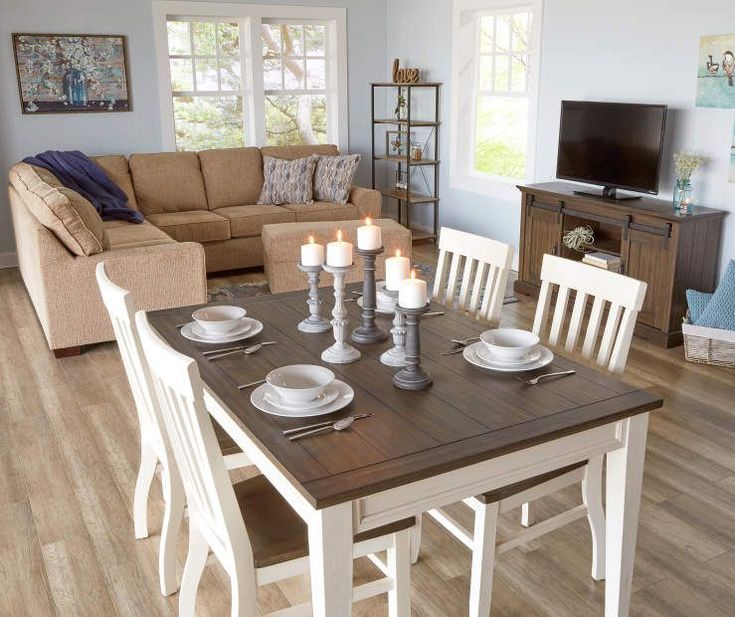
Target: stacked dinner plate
(385, 304)
(301, 391)
(221, 324)
(508, 350)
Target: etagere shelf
(404, 161)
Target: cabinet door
(649, 258)
(542, 234)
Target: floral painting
(71, 73)
(715, 71)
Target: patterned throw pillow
(720, 311)
(333, 177)
(697, 302)
(287, 182)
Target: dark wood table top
(467, 416)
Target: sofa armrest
(367, 201)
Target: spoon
(465, 341)
(339, 425)
(247, 351)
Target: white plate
(241, 328)
(472, 356)
(486, 355)
(345, 394)
(249, 328)
(383, 310)
(329, 394)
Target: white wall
(627, 50)
(139, 130)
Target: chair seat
(277, 533)
(519, 487)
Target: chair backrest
(121, 309)
(476, 274)
(621, 295)
(207, 485)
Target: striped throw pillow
(333, 177)
(287, 182)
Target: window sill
(493, 186)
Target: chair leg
(174, 503)
(146, 471)
(528, 514)
(416, 538)
(242, 582)
(483, 560)
(399, 566)
(592, 497)
(195, 562)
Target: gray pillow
(287, 182)
(333, 177)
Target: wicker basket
(708, 345)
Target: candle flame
(339, 235)
(413, 274)
(368, 220)
(311, 239)
(398, 252)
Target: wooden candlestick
(341, 352)
(396, 355)
(413, 376)
(314, 323)
(368, 332)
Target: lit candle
(368, 236)
(412, 293)
(396, 270)
(339, 253)
(312, 254)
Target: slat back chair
(621, 295)
(223, 518)
(472, 273)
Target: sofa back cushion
(168, 182)
(298, 152)
(117, 169)
(66, 213)
(232, 176)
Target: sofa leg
(65, 352)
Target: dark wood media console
(671, 253)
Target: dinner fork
(535, 381)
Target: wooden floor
(68, 459)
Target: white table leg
(330, 560)
(624, 480)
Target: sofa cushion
(196, 226)
(333, 177)
(232, 176)
(287, 181)
(168, 182)
(117, 169)
(246, 221)
(323, 211)
(124, 235)
(72, 218)
(298, 152)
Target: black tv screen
(616, 145)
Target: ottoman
(282, 249)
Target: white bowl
(300, 382)
(219, 319)
(509, 343)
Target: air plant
(579, 239)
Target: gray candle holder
(413, 376)
(314, 323)
(369, 332)
(341, 352)
(396, 355)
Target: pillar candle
(339, 253)
(312, 254)
(412, 293)
(369, 236)
(396, 270)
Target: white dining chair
(472, 273)
(251, 529)
(616, 300)
(153, 449)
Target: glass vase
(75, 88)
(683, 197)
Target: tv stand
(608, 193)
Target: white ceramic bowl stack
(508, 350)
(219, 320)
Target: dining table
(471, 432)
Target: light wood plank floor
(68, 459)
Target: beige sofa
(201, 216)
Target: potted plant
(401, 106)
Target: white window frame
(252, 17)
(463, 102)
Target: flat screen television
(613, 145)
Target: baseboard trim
(8, 260)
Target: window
(495, 54)
(233, 75)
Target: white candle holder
(341, 352)
(396, 355)
(314, 323)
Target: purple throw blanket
(75, 170)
